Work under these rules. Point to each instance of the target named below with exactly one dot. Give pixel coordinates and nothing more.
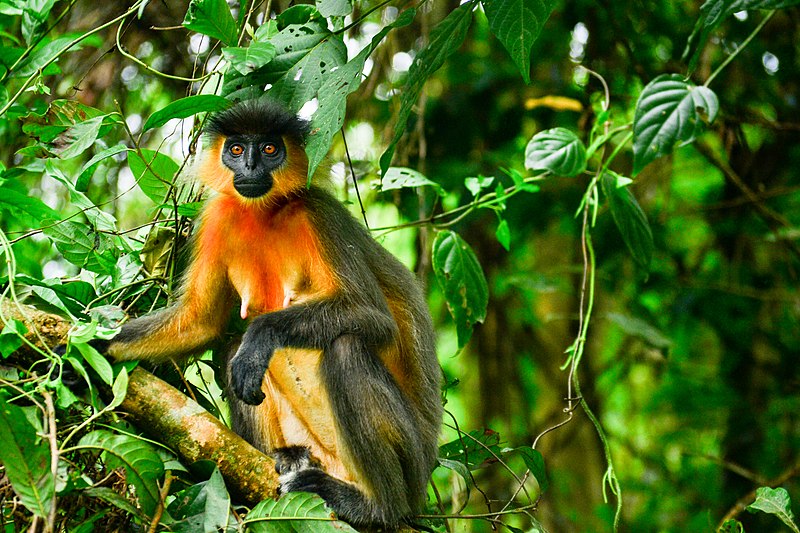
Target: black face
(253, 159)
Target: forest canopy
(601, 200)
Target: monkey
(336, 373)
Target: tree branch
(168, 416)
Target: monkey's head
(255, 151)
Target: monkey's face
(253, 159)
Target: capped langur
(336, 374)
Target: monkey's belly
(299, 409)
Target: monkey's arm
(316, 324)
(188, 326)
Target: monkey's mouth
(252, 189)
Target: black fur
(256, 117)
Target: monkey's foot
(290, 461)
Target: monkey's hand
(251, 361)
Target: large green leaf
(67, 128)
(630, 219)
(186, 107)
(446, 39)
(334, 8)
(23, 208)
(558, 150)
(306, 54)
(301, 82)
(26, 458)
(154, 174)
(90, 250)
(534, 461)
(143, 466)
(203, 507)
(517, 24)
(212, 18)
(78, 138)
(670, 110)
(775, 502)
(461, 279)
(333, 96)
(88, 168)
(250, 58)
(294, 512)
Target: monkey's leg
(376, 431)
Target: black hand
(251, 361)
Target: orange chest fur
(272, 256)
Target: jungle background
(632, 301)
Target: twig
(54, 454)
(742, 503)
(163, 493)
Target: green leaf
(461, 279)
(79, 137)
(517, 24)
(334, 8)
(186, 107)
(114, 498)
(503, 234)
(776, 502)
(401, 177)
(476, 449)
(203, 507)
(119, 389)
(247, 59)
(558, 150)
(97, 361)
(34, 17)
(190, 209)
(23, 208)
(670, 110)
(299, 512)
(71, 296)
(333, 96)
(212, 18)
(26, 458)
(302, 80)
(11, 337)
(630, 220)
(534, 461)
(88, 249)
(87, 170)
(640, 328)
(476, 184)
(44, 53)
(306, 55)
(67, 128)
(142, 464)
(154, 173)
(446, 39)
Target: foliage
(686, 309)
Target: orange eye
(270, 149)
(237, 149)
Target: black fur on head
(257, 116)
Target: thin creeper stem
(32, 77)
(739, 49)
